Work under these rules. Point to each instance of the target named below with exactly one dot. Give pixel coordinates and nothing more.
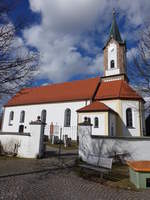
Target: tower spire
(114, 30)
(115, 53)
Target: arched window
(11, 117)
(22, 116)
(43, 116)
(129, 122)
(112, 64)
(67, 119)
(96, 122)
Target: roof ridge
(51, 84)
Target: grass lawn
(72, 147)
(118, 177)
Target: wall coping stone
(85, 124)
(121, 137)
(37, 123)
(15, 133)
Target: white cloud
(131, 53)
(64, 28)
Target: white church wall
(55, 114)
(112, 124)
(135, 130)
(103, 122)
(120, 107)
(113, 104)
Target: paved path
(61, 185)
(46, 180)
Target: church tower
(115, 54)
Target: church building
(108, 102)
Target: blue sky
(70, 35)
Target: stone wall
(25, 145)
(93, 147)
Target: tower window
(129, 121)
(112, 64)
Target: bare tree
(17, 62)
(140, 70)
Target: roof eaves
(103, 110)
(85, 111)
(46, 102)
(121, 98)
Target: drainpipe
(140, 116)
(77, 128)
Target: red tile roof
(117, 89)
(74, 91)
(96, 106)
(68, 91)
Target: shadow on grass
(118, 177)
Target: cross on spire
(114, 12)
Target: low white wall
(8, 142)
(29, 145)
(135, 148)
